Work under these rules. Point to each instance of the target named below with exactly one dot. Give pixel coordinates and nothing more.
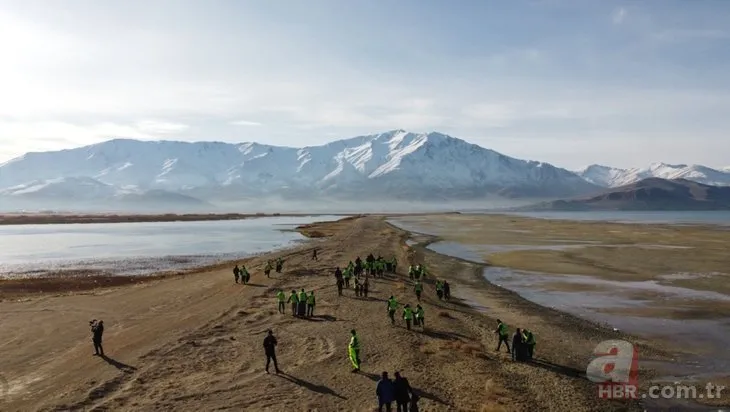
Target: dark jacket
(402, 389)
(270, 344)
(98, 331)
(385, 390)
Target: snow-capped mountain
(613, 177)
(395, 164)
(80, 191)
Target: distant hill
(606, 176)
(648, 194)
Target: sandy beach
(194, 341)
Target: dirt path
(194, 342)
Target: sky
(570, 82)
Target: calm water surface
(142, 247)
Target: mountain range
(614, 177)
(648, 194)
(395, 165)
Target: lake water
(701, 217)
(142, 248)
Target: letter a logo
(616, 361)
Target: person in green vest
(358, 288)
(353, 349)
(294, 300)
(303, 296)
(310, 304)
(422, 271)
(245, 276)
(279, 265)
(408, 315)
(411, 272)
(281, 298)
(503, 333)
(530, 342)
(392, 306)
(420, 317)
(267, 268)
(440, 289)
(347, 276)
(418, 288)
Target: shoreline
(10, 219)
(564, 341)
(83, 218)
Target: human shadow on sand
(554, 367)
(119, 365)
(320, 318)
(256, 285)
(325, 390)
(444, 335)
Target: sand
(194, 342)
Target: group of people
(242, 274)
(396, 390)
(302, 303)
(361, 283)
(523, 342)
(417, 316)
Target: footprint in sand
(321, 348)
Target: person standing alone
(270, 351)
(97, 330)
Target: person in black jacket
(270, 350)
(402, 392)
(339, 279)
(97, 330)
(519, 352)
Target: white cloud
(619, 15)
(245, 123)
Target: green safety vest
(354, 342)
(529, 338)
(419, 313)
(502, 329)
(281, 296)
(294, 298)
(439, 286)
(302, 296)
(392, 304)
(419, 287)
(407, 313)
(310, 299)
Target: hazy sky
(571, 82)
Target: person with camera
(97, 330)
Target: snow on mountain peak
(397, 162)
(614, 177)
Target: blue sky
(571, 82)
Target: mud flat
(667, 283)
